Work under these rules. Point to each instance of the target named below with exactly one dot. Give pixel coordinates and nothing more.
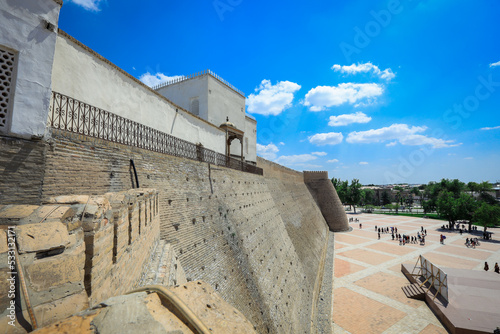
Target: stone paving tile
(359, 314)
(350, 239)
(433, 329)
(339, 246)
(389, 286)
(362, 263)
(474, 253)
(484, 245)
(343, 268)
(366, 256)
(450, 261)
(365, 233)
(391, 248)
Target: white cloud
(402, 133)
(267, 151)
(296, 159)
(469, 158)
(152, 80)
(282, 143)
(347, 119)
(330, 138)
(321, 154)
(386, 74)
(92, 5)
(495, 64)
(493, 128)
(363, 163)
(333, 160)
(322, 97)
(394, 143)
(271, 99)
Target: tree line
(452, 200)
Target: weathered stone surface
(213, 311)
(42, 237)
(67, 267)
(69, 199)
(16, 212)
(78, 324)
(3, 241)
(127, 315)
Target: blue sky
(383, 91)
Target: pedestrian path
(367, 296)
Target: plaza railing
(70, 114)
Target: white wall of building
(83, 75)
(250, 150)
(23, 30)
(224, 102)
(183, 92)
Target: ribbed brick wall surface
(257, 240)
(21, 170)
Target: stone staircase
(163, 267)
(414, 291)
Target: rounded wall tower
(328, 200)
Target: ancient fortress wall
(75, 251)
(82, 74)
(327, 199)
(259, 241)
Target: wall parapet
(69, 114)
(315, 175)
(196, 75)
(77, 251)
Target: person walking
(486, 267)
(497, 268)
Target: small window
(7, 64)
(195, 106)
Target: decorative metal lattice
(69, 114)
(7, 59)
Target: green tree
(354, 193)
(487, 215)
(453, 209)
(446, 206)
(385, 198)
(368, 196)
(341, 187)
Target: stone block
(69, 199)
(49, 313)
(3, 241)
(57, 270)
(42, 237)
(14, 213)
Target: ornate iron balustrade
(69, 114)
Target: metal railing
(69, 114)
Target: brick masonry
(258, 241)
(77, 251)
(327, 199)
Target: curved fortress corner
(326, 197)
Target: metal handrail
(70, 114)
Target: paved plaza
(367, 296)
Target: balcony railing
(69, 114)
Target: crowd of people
(403, 238)
(420, 237)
